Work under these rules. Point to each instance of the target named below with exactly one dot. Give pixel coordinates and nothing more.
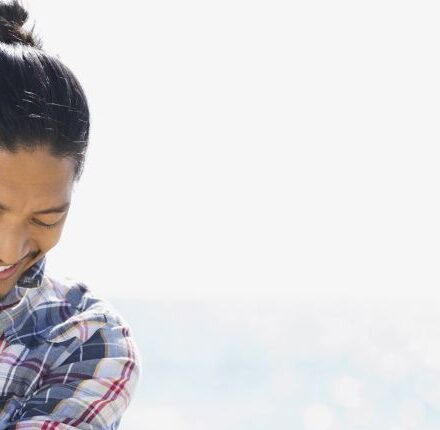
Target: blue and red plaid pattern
(68, 360)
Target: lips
(5, 274)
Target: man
(67, 359)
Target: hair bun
(12, 18)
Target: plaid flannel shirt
(68, 360)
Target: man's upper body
(68, 360)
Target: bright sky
(264, 149)
(306, 366)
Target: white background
(264, 149)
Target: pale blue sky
(312, 365)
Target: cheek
(47, 239)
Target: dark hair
(42, 104)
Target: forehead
(34, 173)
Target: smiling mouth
(10, 266)
(7, 273)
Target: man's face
(31, 182)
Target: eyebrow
(55, 209)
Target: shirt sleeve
(91, 389)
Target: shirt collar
(33, 277)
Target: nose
(14, 244)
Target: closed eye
(42, 224)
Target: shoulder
(72, 306)
(78, 325)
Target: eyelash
(40, 224)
